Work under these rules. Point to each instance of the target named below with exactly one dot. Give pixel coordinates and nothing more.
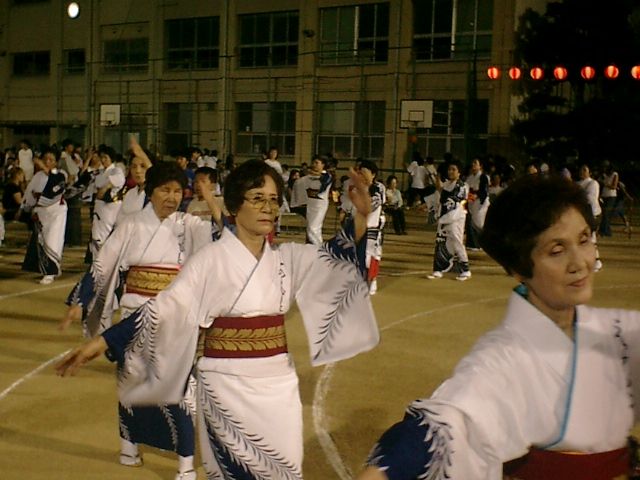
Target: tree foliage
(590, 119)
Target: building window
(192, 43)
(126, 55)
(269, 39)
(355, 34)
(447, 133)
(452, 29)
(74, 61)
(177, 127)
(31, 63)
(262, 125)
(351, 129)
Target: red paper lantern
(560, 73)
(635, 72)
(493, 73)
(537, 73)
(611, 71)
(588, 72)
(515, 73)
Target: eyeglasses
(259, 202)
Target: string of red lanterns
(560, 73)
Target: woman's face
(166, 198)
(475, 166)
(563, 259)
(393, 183)
(105, 159)
(258, 212)
(453, 172)
(138, 171)
(49, 161)
(317, 166)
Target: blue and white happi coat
(450, 230)
(106, 209)
(251, 421)
(44, 197)
(525, 384)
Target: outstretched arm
(361, 200)
(75, 359)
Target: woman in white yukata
(44, 197)
(549, 393)
(238, 289)
(109, 184)
(140, 258)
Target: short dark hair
(66, 142)
(208, 171)
(369, 165)
(522, 212)
(390, 178)
(106, 150)
(245, 177)
(161, 173)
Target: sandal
(130, 460)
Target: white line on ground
(36, 290)
(23, 379)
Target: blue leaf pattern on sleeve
(417, 447)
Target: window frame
(128, 66)
(290, 45)
(283, 138)
(194, 62)
(330, 51)
(364, 138)
(33, 64)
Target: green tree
(594, 119)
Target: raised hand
(359, 192)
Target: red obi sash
(246, 337)
(551, 465)
(149, 280)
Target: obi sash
(246, 337)
(551, 465)
(149, 280)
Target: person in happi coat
(548, 394)
(141, 257)
(451, 201)
(478, 203)
(44, 198)
(316, 186)
(135, 198)
(375, 222)
(238, 289)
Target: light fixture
(73, 10)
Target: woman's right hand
(372, 473)
(81, 355)
(74, 314)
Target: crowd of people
(183, 248)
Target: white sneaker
(47, 279)
(373, 287)
(597, 266)
(188, 475)
(131, 460)
(464, 276)
(435, 275)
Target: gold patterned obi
(246, 337)
(149, 280)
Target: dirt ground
(52, 428)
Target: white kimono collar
(240, 251)
(546, 338)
